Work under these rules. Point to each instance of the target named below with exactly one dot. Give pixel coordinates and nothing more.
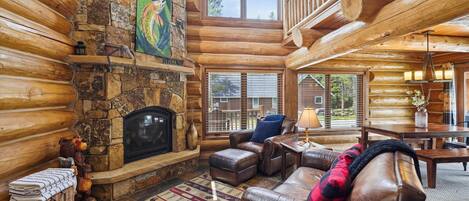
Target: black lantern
(80, 48)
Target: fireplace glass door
(147, 132)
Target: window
(248, 96)
(244, 9)
(255, 103)
(224, 8)
(337, 98)
(318, 100)
(262, 9)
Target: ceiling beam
(396, 19)
(418, 42)
(406, 57)
(362, 10)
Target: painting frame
(153, 27)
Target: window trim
(318, 102)
(243, 14)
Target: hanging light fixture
(423, 76)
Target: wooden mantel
(141, 62)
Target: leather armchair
(381, 179)
(269, 152)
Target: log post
(305, 37)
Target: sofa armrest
(262, 194)
(240, 137)
(319, 158)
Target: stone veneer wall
(106, 97)
(113, 21)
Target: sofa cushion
(298, 185)
(266, 129)
(252, 147)
(335, 184)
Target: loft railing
(299, 12)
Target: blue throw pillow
(266, 129)
(275, 117)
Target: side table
(296, 148)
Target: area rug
(200, 189)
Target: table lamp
(308, 119)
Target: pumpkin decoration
(73, 149)
(84, 184)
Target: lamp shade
(309, 119)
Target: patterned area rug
(200, 189)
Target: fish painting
(153, 34)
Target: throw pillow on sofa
(274, 117)
(335, 184)
(266, 129)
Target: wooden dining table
(407, 131)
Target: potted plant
(420, 102)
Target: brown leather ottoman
(233, 166)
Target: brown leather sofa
(269, 152)
(388, 177)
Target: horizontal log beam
(364, 65)
(23, 64)
(237, 59)
(17, 93)
(65, 7)
(305, 37)
(34, 122)
(418, 42)
(391, 112)
(390, 101)
(451, 58)
(386, 77)
(396, 19)
(24, 153)
(24, 35)
(361, 10)
(390, 89)
(270, 49)
(408, 57)
(39, 13)
(213, 33)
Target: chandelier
(428, 72)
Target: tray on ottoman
(233, 166)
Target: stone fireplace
(147, 132)
(133, 120)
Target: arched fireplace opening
(147, 132)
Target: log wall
(36, 95)
(388, 102)
(226, 44)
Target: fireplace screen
(147, 132)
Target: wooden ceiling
(448, 40)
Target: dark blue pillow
(274, 117)
(266, 129)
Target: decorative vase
(421, 119)
(192, 137)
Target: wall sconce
(418, 75)
(448, 74)
(408, 75)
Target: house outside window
(335, 97)
(235, 101)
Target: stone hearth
(106, 95)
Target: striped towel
(42, 185)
